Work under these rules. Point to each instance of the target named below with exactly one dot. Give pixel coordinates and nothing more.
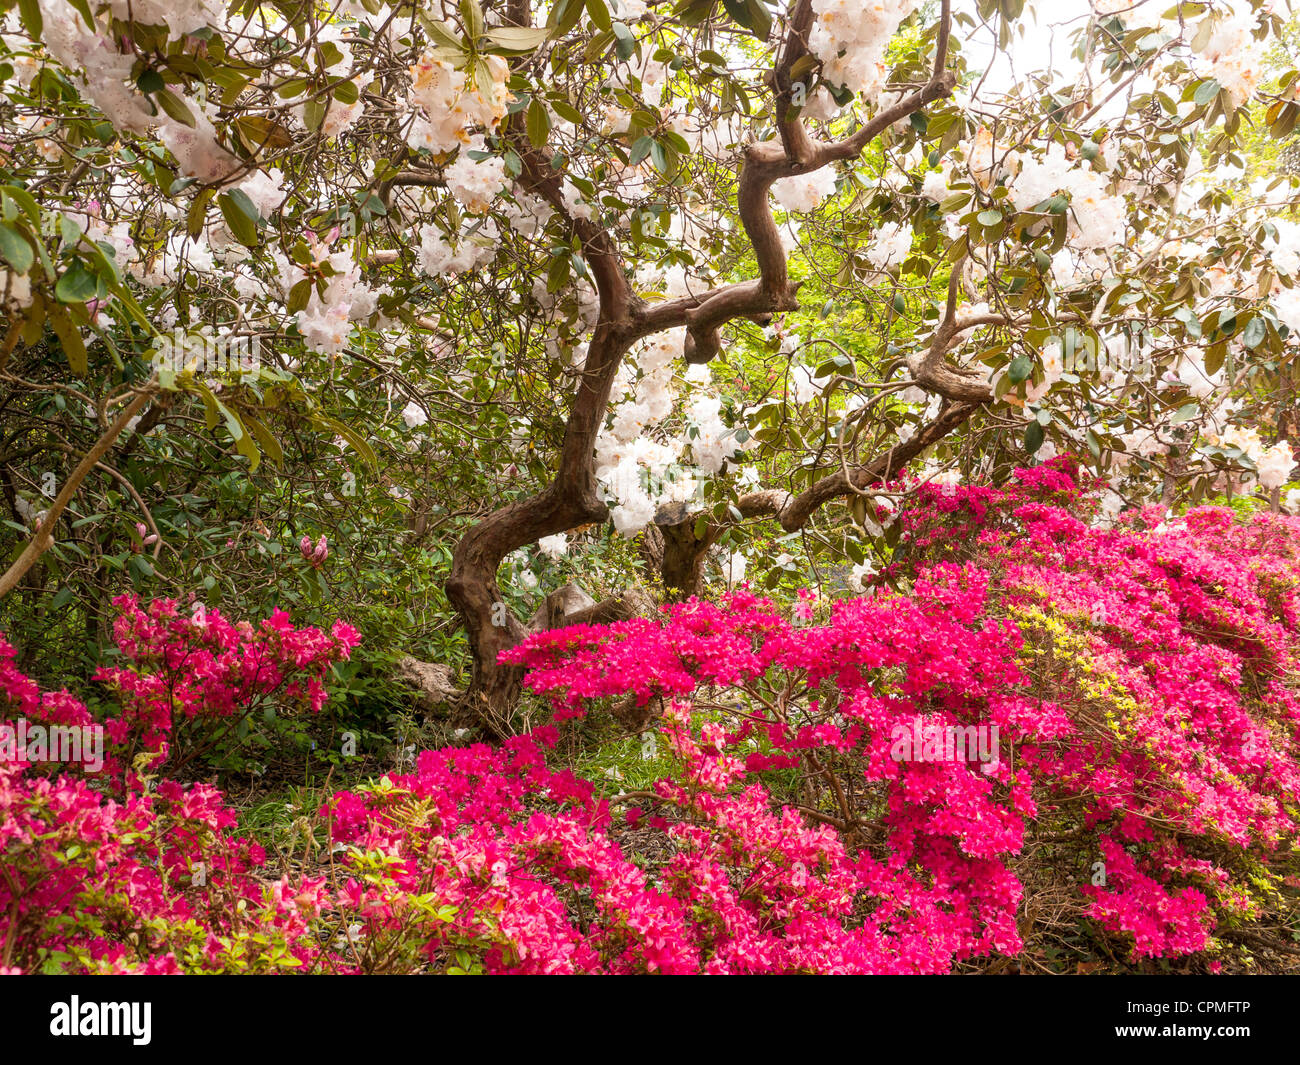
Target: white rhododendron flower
(555, 546)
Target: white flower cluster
(1286, 256)
(1041, 177)
(326, 322)
(1274, 464)
(476, 182)
(1192, 375)
(1053, 369)
(437, 256)
(638, 474)
(804, 192)
(1097, 219)
(265, 188)
(850, 37)
(712, 442)
(934, 185)
(632, 477)
(893, 242)
(413, 415)
(1233, 58)
(652, 400)
(803, 385)
(1286, 304)
(447, 108)
(945, 479)
(554, 547)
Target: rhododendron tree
(687, 274)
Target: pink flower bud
(304, 545)
(322, 551)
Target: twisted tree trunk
(571, 499)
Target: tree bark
(685, 552)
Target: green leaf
(197, 213)
(25, 200)
(240, 216)
(752, 14)
(443, 35)
(566, 111)
(83, 9)
(564, 16)
(516, 39)
(1020, 369)
(472, 16)
(538, 122)
(626, 41)
(14, 247)
(70, 338)
(299, 295)
(265, 440)
(30, 13)
(175, 107)
(150, 81)
(989, 217)
(313, 114)
(1206, 92)
(1186, 413)
(659, 157)
(76, 286)
(354, 441)
(598, 13)
(1033, 437)
(1255, 331)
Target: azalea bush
(1141, 679)
(1136, 679)
(1136, 683)
(192, 679)
(1141, 682)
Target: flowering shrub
(1125, 708)
(1141, 681)
(1173, 644)
(101, 870)
(203, 671)
(908, 875)
(153, 883)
